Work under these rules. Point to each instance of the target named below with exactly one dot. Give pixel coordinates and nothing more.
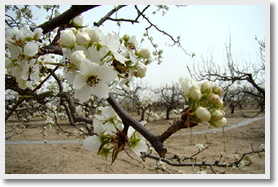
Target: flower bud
(68, 38)
(145, 53)
(31, 48)
(83, 38)
(203, 114)
(219, 123)
(77, 57)
(186, 83)
(217, 114)
(217, 90)
(78, 21)
(214, 98)
(195, 93)
(206, 87)
(141, 69)
(220, 104)
(94, 33)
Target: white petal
(130, 131)
(101, 91)
(92, 143)
(141, 147)
(79, 81)
(106, 73)
(119, 57)
(98, 126)
(109, 128)
(108, 112)
(83, 94)
(87, 67)
(70, 75)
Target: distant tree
(170, 97)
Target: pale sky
(204, 30)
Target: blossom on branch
(93, 79)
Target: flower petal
(83, 94)
(101, 90)
(106, 73)
(92, 143)
(79, 81)
(98, 126)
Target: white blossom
(203, 114)
(93, 79)
(78, 21)
(31, 48)
(83, 38)
(68, 38)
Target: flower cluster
(110, 137)
(204, 103)
(93, 59)
(22, 46)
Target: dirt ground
(75, 159)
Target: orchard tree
(86, 64)
(170, 97)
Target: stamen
(92, 80)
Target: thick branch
(71, 111)
(176, 126)
(127, 120)
(64, 18)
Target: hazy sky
(204, 30)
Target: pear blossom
(199, 146)
(141, 146)
(132, 43)
(219, 123)
(38, 32)
(77, 57)
(141, 69)
(108, 122)
(93, 79)
(113, 44)
(186, 83)
(145, 53)
(137, 142)
(203, 114)
(206, 87)
(83, 38)
(30, 70)
(78, 21)
(97, 55)
(195, 93)
(217, 114)
(217, 90)
(94, 33)
(68, 38)
(31, 48)
(14, 50)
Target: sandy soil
(74, 159)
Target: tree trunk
(143, 114)
(168, 112)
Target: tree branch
(64, 18)
(107, 16)
(128, 120)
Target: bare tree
(170, 97)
